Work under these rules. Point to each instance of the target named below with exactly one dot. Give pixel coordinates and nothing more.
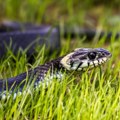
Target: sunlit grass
(90, 95)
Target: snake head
(84, 58)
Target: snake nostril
(103, 54)
(92, 55)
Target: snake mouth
(100, 60)
(97, 62)
(83, 65)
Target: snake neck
(55, 65)
(38, 74)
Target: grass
(72, 98)
(91, 95)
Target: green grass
(93, 95)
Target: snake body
(78, 60)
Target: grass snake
(78, 60)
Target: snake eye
(92, 55)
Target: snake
(80, 59)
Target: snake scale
(78, 60)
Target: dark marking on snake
(71, 63)
(79, 65)
(93, 64)
(88, 64)
(98, 62)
